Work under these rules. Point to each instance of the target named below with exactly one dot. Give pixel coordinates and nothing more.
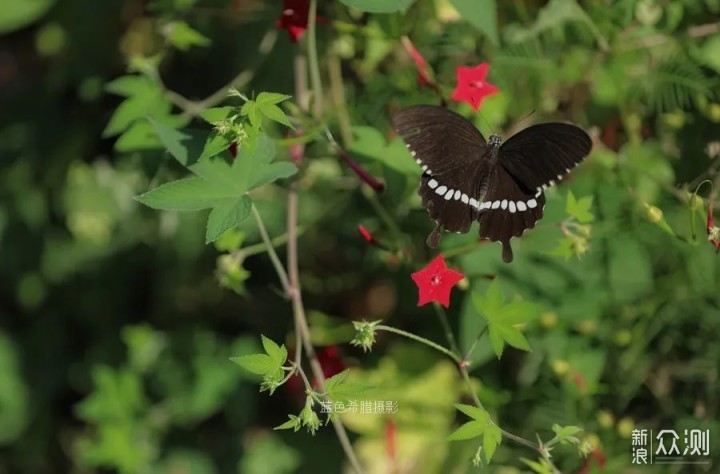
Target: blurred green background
(117, 321)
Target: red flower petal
(294, 18)
(471, 85)
(366, 234)
(420, 63)
(435, 282)
(233, 149)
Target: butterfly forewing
(465, 179)
(541, 155)
(450, 151)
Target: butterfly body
(501, 185)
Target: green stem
(313, 59)
(282, 274)
(475, 343)
(414, 337)
(442, 316)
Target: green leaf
(260, 364)
(482, 14)
(250, 109)
(273, 172)
(293, 422)
(130, 85)
(275, 113)
(491, 440)
(496, 339)
(513, 336)
(470, 430)
(490, 306)
(564, 432)
(227, 215)
(271, 98)
(519, 312)
(217, 114)
(183, 36)
(16, 14)
(136, 108)
(476, 413)
(190, 194)
(580, 209)
(214, 145)
(277, 353)
(379, 6)
(340, 389)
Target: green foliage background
(117, 321)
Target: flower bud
(652, 213)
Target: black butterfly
(465, 178)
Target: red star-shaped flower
(436, 281)
(713, 232)
(294, 18)
(471, 85)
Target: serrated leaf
(276, 352)
(259, 364)
(275, 113)
(491, 440)
(379, 6)
(215, 115)
(273, 172)
(564, 432)
(470, 430)
(190, 194)
(271, 98)
(226, 215)
(580, 209)
(340, 389)
(482, 14)
(136, 108)
(476, 413)
(250, 109)
(214, 145)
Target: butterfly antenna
(527, 115)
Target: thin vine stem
(420, 339)
(442, 316)
(279, 269)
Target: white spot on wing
(503, 204)
(511, 205)
(441, 190)
(495, 204)
(474, 203)
(521, 206)
(464, 198)
(532, 203)
(449, 194)
(457, 194)
(432, 183)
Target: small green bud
(652, 213)
(365, 336)
(309, 418)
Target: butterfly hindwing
(541, 155)
(507, 211)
